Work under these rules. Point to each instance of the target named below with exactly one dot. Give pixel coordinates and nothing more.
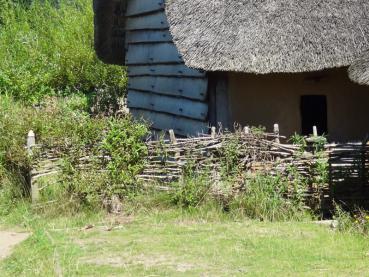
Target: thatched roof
(264, 36)
(359, 70)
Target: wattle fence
(256, 153)
(349, 173)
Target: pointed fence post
(31, 142)
(276, 133)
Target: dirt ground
(8, 240)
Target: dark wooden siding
(162, 90)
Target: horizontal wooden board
(140, 36)
(193, 88)
(179, 70)
(148, 22)
(137, 7)
(157, 53)
(173, 105)
(161, 121)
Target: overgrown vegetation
(47, 49)
(122, 141)
(256, 195)
(354, 222)
(64, 124)
(52, 82)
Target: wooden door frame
(218, 99)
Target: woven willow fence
(257, 153)
(349, 173)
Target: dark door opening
(314, 113)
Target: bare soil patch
(8, 240)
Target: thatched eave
(359, 70)
(269, 36)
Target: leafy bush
(230, 161)
(65, 123)
(122, 141)
(191, 192)
(47, 49)
(124, 144)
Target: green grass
(173, 242)
(48, 50)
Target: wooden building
(195, 63)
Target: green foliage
(47, 49)
(258, 130)
(356, 222)
(267, 198)
(299, 140)
(318, 143)
(64, 124)
(6, 14)
(263, 197)
(191, 191)
(124, 143)
(55, 122)
(229, 155)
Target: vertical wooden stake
(172, 137)
(276, 132)
(31, 142)
(213, 132)
(246, 130)
(315, 131)
(173, 141)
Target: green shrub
(191, 191)
(65, 124)
(47, 49)
(124, 143)
(229, 155)
(266, 198)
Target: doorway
(314, 113)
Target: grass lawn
(177, 243)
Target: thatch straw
(269, 36)
(359, 70)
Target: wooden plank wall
(161, 88)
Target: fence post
(315, 131)
(276, 132)
(246, 130)
(213, 132)
(31, 142)
(173, 141)
(172, 137)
